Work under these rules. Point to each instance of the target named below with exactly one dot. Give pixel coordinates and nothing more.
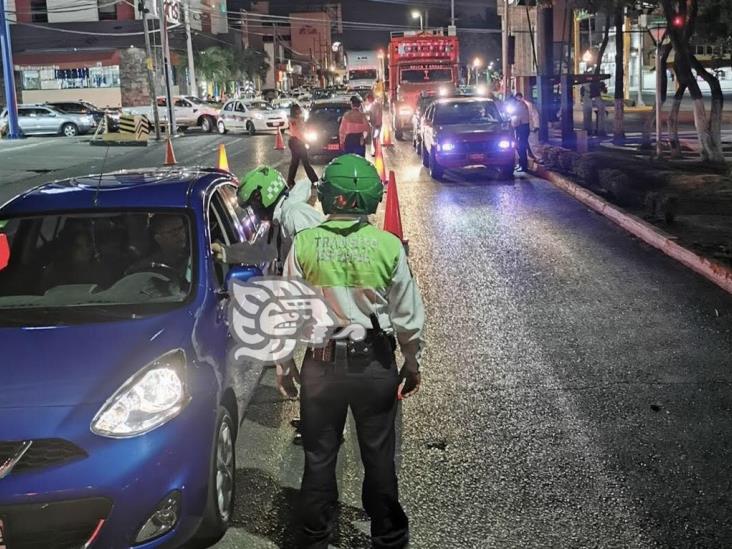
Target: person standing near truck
(298, 150)
(354, 129)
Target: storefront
(70, 76)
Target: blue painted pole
(9, 76)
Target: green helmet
(265, 179)
(351, 185)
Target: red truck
(419, 64)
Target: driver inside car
(170, 251)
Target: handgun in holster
(384, 344)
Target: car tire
(221, 485)
(437, 172)
(425, 158)
(207, 125)
(506, 172)
(418, 147)
(221, 127)
(251, 130)
(69, 130)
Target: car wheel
(418, 147)
(436, 171)
(221, 127)
(206, 125)
(250, 128)
(506, 172)
(221, 484)
(399, 134)
(69, 130)
(425, 158)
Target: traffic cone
(386, 134)
(279, 142)
(392, 216)
(223, 161)
(379, 162)
(169, 154)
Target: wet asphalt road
(576, 387)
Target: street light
(415, 15)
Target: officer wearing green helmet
(363, 275)
(288, 211)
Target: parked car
(190, 111)
(46, 120)
(120, 403)
(321, 129)
(250, 116)
(466, 132)
(83, 107)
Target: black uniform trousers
(299, 154)
(368, 385)
(522, 145)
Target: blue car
(119, 406)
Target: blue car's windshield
(128, 261)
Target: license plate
(3, 542)
(331, 147)
(477, 157)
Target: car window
(219, 231)
(328, 113)
(474, 112)
(21, 112)
(244, 221)
(90, 265)
(181, 103)
(229, 107)
(240, 108)
(162, 102)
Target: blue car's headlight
(504, 144)
(150, 398)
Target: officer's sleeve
(298, 217)
(291, 268)
(252, 253)
(406, 312)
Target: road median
(712, 270)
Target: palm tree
(215, 64)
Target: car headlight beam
(147, 400)
(311, 136)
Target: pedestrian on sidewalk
(354, 129)
(596, 90)
(298, 150)
(534, 125)
(375, 117)
(363, 276)
(521, 122)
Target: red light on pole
(678, 21)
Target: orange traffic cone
(386, 134)
(169, 154)
(392, 216)
(379, 162)
(279, 142)
(223, 161)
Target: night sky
(470, 13)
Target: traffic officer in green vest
(363, 276)
(287, 210)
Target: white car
(190, 111)
(250, 116)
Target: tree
(250, 64)
(215, 64)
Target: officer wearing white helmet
(363, 276)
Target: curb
(720, 274)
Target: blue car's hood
(69, 365)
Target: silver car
(44, 120)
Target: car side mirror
(241, 274)
(195, 110)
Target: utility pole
(504, 50)
(659, 40)
(192, 87)
(166, 69)
(151, 88)
(9, 76)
